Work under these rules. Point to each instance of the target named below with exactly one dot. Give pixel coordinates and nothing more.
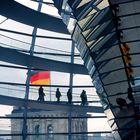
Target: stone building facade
(46, 126)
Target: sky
(19, 76)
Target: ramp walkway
(48, 105)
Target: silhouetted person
(69, 95)
(83, 97)
(130, 95)
(121, 102)
(41, 94)
(58, 95)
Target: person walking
(69, 96)
(58, 95)
(41, 94)
(83, 97)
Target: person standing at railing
(83, 97)
(69, 96)
(58, 95)
(41, 94)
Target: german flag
(40, 78)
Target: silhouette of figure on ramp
(41, 94)
(58, 95)
(69, 96)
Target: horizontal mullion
(101, 53)
(126, 15)
(100, 19)
(106, 29)
(74, 3)
(109, 46)
(86, 10)
(39, 36)
(121, 81)
(64, 86)
(117, 94)
(119, 56)
(124, 117)
(47, 117)
(123, 2)
(64, 133)
(104, 42)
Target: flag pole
(50, 87)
